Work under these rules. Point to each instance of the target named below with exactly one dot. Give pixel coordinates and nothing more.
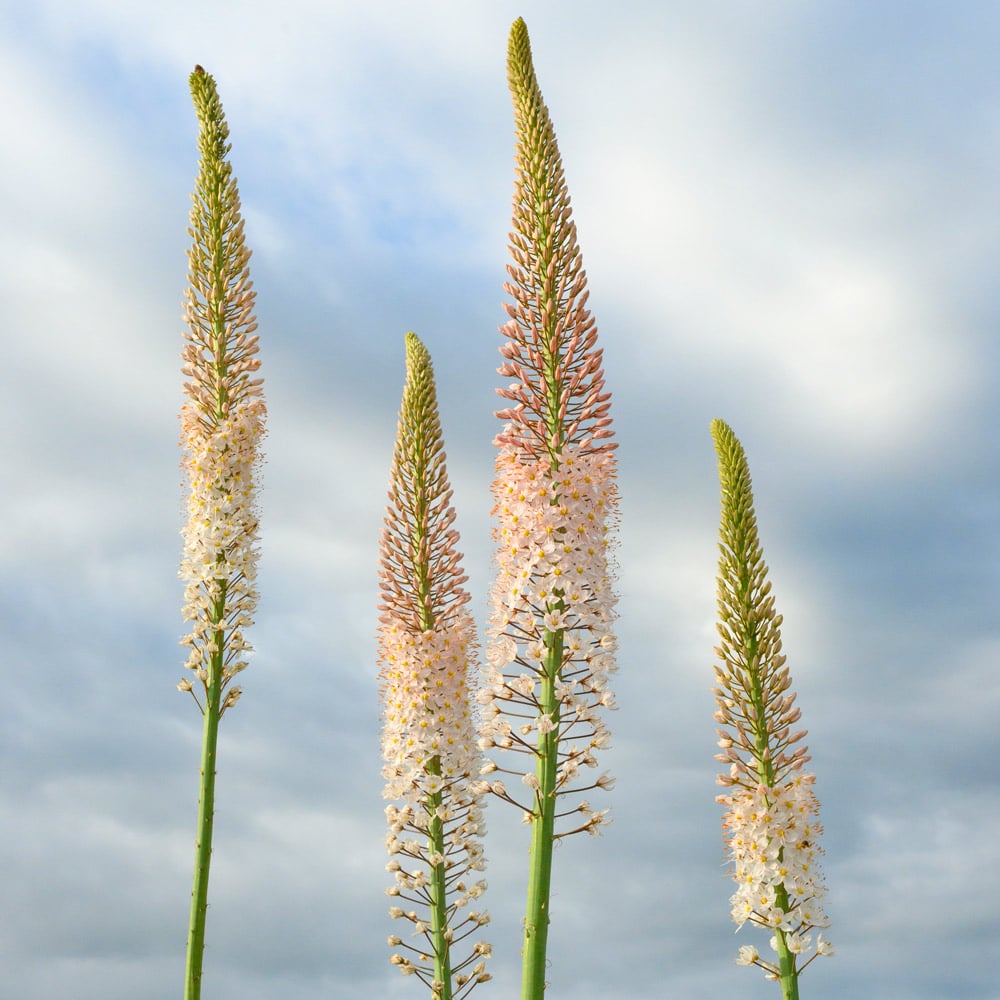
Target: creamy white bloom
(772, 836)
(554, 584)
(426, 646)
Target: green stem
(789, 977)
(439, 892)
(536, 921)
(206, 810)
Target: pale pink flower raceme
(426, 707)
(553, 576)
(222, 425)
(435, 835)
(552, 645)
(771, 822)
(222, 420)
(219, 562)
(432, 763)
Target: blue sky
(788, 213)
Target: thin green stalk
(438, 891)
(206, 819)
(536, 920)
(789, 978)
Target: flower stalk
(432, 764)
(771, 819)
(222, 425)
(551, 626)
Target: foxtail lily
(771, 821)
(552, 645)
(222, 424)
(426, 645)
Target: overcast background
(790, 217)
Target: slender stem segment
(206, 818)
(438, 889)
(543, 821)
(788, 973)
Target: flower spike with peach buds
(771, 821)
(432, 763)
(553, 605)
(222, 425)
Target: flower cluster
(219, 562)
(222, 421)
(771, 820)
(553, 588)
(553, 606)
(432, 763)
(426, 713)
(552, 645)
(435, 837)
(772, 837)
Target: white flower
(500, 652)
(770, 849)
(797, 944)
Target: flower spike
(432, 764)
(559, 396)
(771, 820)
(553, 607)
(222, 425)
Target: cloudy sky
(789, 215)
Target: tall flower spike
(222, 424)
(553, 608)
(771, 819)
(432, 764)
